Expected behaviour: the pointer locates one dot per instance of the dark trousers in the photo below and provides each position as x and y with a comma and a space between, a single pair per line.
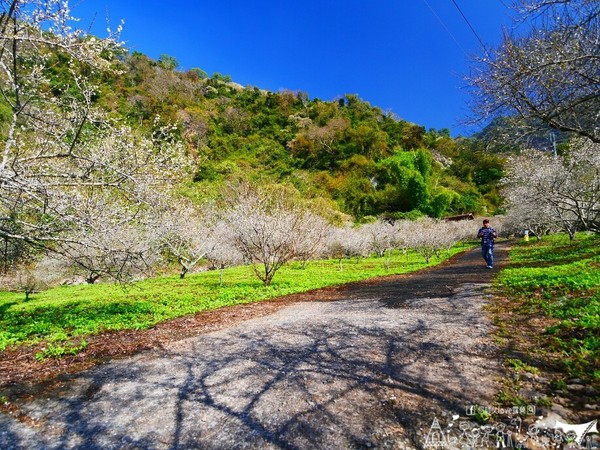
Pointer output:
487, 252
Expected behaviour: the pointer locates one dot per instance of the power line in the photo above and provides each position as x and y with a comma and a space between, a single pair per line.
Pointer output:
469, 24
444, 26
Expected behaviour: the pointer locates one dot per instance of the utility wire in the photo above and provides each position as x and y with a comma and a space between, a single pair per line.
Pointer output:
445, 27
469, 23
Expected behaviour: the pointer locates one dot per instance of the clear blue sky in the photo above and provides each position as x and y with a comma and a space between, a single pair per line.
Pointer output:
397, 55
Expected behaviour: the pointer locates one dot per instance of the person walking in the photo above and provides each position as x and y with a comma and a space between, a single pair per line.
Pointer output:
487, 234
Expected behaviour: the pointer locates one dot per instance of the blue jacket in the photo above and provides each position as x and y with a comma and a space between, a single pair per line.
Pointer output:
487, 235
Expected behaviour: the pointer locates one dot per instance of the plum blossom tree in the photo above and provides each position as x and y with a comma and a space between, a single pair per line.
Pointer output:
106, 231
426, 236
561, 191
106, 241
267, 228
223, 252
118, 251
315, 231
59, 150
381, 236
186, 233
452, 232
347, 242
547, 77
527, 215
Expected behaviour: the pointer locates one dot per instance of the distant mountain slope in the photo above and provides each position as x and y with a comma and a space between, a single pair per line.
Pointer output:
358, 158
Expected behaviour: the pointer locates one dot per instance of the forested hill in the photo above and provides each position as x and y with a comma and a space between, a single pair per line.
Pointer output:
358, 158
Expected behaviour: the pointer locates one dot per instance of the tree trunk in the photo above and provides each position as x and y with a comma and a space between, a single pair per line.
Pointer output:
92, 278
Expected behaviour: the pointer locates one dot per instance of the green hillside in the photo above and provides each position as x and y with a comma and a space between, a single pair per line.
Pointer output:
359, 159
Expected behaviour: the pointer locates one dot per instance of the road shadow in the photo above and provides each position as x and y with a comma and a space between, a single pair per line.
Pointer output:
371, 370
440, 281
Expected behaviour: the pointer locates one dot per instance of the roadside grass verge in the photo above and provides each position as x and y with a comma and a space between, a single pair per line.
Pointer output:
548, 310
64, 315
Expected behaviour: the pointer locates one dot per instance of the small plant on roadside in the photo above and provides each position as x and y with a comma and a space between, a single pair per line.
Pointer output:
58, 351
559, 384
544, 401
481, 415
508, 397
500, 340
521, 366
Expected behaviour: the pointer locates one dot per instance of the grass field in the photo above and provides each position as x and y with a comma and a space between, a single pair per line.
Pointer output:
559, 281
64, 315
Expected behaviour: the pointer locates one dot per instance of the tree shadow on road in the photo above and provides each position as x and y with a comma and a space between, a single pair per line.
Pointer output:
372, 370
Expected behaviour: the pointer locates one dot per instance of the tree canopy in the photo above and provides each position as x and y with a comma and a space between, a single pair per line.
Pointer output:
546, 76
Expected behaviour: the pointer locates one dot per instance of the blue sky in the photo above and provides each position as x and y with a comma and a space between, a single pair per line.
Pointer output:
407, 57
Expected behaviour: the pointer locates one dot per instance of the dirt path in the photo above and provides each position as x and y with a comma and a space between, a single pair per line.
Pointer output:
370, 370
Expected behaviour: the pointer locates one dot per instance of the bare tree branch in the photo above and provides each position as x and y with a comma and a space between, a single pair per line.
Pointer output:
548, 76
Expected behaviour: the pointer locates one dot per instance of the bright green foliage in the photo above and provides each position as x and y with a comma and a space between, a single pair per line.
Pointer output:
64, 314
560, 279
521, 366
423, 163
441, 203
479, 172
271, 136
58, 351
407, 175
376, 163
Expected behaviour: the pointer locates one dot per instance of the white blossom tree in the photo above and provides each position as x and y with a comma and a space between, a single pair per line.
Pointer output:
59, 150
223, 252
347, 242
186, 232
116, 250
315, 231
403, 229
107, 231
548, 77
452, 232
382, 236
561, 191
425, 236
268, 228
532, 217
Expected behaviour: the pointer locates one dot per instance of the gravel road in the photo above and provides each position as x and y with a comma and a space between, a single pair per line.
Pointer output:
371, 370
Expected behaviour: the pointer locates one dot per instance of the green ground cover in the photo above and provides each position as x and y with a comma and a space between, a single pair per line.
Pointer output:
558, 281
63, 315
